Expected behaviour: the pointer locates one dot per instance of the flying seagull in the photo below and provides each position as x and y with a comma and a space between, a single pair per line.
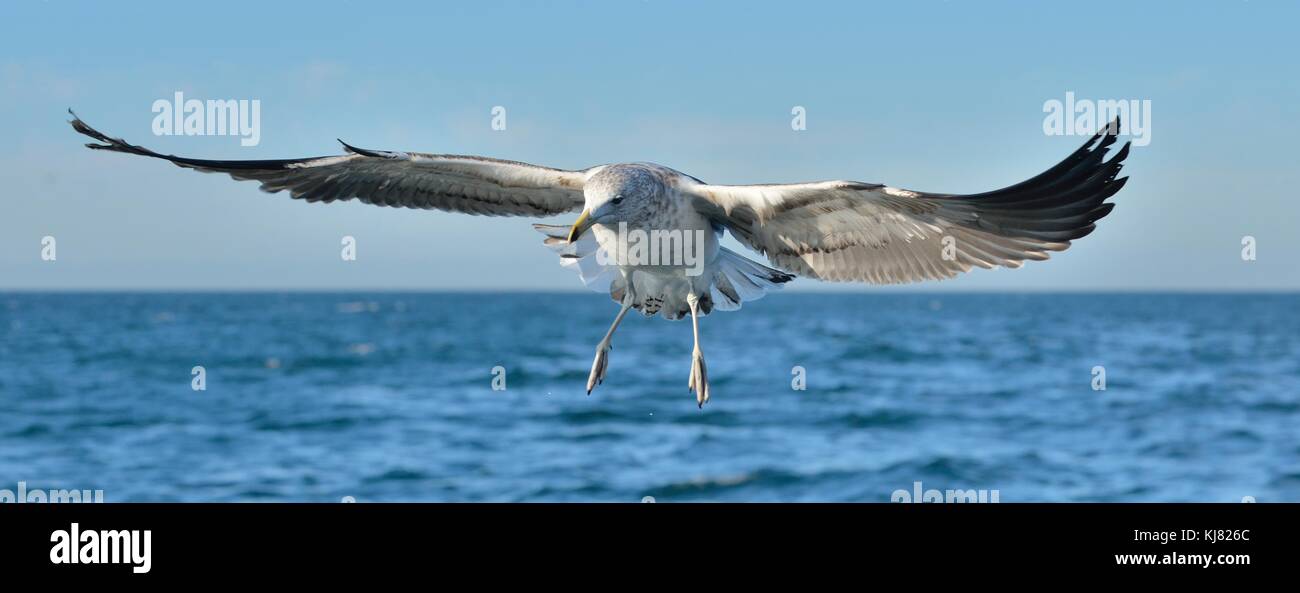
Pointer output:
839, 231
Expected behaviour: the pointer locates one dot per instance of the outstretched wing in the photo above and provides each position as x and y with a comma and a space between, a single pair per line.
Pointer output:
469, 184
852, 231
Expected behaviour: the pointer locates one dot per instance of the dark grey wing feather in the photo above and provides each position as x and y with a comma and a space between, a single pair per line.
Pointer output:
854, 231
458, 183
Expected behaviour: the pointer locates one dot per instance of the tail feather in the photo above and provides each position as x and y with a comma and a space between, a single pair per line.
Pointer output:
736, 279
578, 256
739, 279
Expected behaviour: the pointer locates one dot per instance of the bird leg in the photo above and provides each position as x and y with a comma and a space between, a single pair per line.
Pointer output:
601, 364
699, 382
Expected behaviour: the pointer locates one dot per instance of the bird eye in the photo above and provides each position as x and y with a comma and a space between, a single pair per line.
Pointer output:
617, 200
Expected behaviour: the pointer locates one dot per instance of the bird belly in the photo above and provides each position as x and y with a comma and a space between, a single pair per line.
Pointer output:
660, 268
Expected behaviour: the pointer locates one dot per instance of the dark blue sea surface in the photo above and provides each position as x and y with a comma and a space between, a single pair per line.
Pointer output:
389, 397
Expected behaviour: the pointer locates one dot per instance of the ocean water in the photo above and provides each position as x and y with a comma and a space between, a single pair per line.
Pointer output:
389, 397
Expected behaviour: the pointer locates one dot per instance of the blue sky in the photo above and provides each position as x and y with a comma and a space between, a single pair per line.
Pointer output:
927, 95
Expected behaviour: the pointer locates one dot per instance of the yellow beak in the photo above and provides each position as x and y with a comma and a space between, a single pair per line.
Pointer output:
580, 226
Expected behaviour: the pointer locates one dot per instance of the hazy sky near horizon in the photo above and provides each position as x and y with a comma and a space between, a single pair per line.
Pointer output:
927, 95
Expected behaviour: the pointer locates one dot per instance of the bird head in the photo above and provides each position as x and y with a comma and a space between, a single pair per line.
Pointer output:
617, 193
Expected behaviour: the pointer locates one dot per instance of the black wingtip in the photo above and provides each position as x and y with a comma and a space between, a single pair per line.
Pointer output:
82, 128
75, 118
1123, 153
364, 152
110, 143
1106, 134
1112, 128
